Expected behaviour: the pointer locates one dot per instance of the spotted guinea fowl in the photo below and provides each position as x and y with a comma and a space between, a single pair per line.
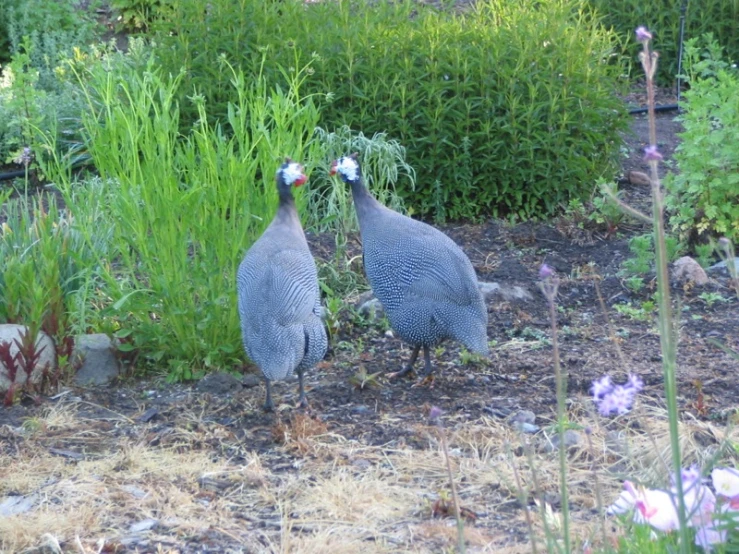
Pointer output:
278, 294
426, 284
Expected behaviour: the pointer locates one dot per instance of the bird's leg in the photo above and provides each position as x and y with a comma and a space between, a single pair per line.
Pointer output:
428, 370
427, 367
408, 368
302, 401
268, 404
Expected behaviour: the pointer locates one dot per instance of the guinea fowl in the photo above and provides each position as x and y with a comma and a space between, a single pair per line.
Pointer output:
279, 298
423, 280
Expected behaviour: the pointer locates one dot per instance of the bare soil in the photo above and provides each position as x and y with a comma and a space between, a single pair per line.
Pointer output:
147, 466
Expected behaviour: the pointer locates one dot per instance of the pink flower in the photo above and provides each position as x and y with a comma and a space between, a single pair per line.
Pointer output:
642, 34
652, 154
545, 272
654, 507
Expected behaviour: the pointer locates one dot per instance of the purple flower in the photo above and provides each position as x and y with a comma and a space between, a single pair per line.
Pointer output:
435, 413
651, 153
545, 272
25, 157
642, 34
615, 399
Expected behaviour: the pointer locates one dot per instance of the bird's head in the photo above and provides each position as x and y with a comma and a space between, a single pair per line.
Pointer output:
290, 174
348, 168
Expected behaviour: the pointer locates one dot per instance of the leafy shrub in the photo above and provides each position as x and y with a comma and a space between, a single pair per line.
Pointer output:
181, 209
383, 163
506, 109
53, 27
46, 264
719, 17
642, 254
137, 15
703, 196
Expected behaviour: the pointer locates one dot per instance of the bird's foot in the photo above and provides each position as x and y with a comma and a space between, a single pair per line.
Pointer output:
402, 373
268, 407
425, 381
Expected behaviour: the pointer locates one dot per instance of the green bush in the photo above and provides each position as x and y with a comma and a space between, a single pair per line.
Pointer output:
46, 264
509, 109
181, 209
662, 18
53, 26
703, 195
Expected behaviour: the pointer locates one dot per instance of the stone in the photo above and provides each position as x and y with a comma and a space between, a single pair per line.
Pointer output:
143, 525
522, 416
638, 178
10, 333
13, 505
687, 269
372, 309
218, 382
95, 354
722, 267
571, 438
505, 292
251, 380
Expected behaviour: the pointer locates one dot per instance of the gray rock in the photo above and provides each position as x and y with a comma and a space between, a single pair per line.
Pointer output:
17, 504
372, 309
522, 416
10, 333
98, 364
523, 421
505, 292
616, 443
218, 382
571, 438
251, 380
524, 427
143, 525
687, 269
721, 267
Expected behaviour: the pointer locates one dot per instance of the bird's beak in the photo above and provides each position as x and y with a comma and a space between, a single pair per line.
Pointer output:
332, 172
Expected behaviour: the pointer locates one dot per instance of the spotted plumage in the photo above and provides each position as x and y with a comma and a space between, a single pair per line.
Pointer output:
425, 282
278, 294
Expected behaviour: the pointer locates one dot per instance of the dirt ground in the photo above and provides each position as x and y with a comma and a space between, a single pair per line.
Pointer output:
146, 466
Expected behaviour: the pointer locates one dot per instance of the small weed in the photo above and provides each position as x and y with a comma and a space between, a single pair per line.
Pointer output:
637, 313
363, 380
634, 283
711, 298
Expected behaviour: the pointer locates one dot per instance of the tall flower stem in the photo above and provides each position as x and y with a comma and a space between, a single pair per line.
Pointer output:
668, 345
549, 285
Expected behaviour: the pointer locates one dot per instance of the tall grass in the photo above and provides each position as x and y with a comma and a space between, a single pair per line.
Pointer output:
181, 210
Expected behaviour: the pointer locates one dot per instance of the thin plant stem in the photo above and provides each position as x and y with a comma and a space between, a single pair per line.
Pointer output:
540, 496
561, 405
598, 495
667, 338
461, 548
524, 504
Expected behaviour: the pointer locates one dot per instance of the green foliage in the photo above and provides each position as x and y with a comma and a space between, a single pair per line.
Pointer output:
703, 197
642, 250
642, 312
46, 267
52, 26
663, 19
329, 204
138, 15
506, 109
181, 210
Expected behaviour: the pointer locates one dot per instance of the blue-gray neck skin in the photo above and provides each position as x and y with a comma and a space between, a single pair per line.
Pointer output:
364, 202
286, 209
